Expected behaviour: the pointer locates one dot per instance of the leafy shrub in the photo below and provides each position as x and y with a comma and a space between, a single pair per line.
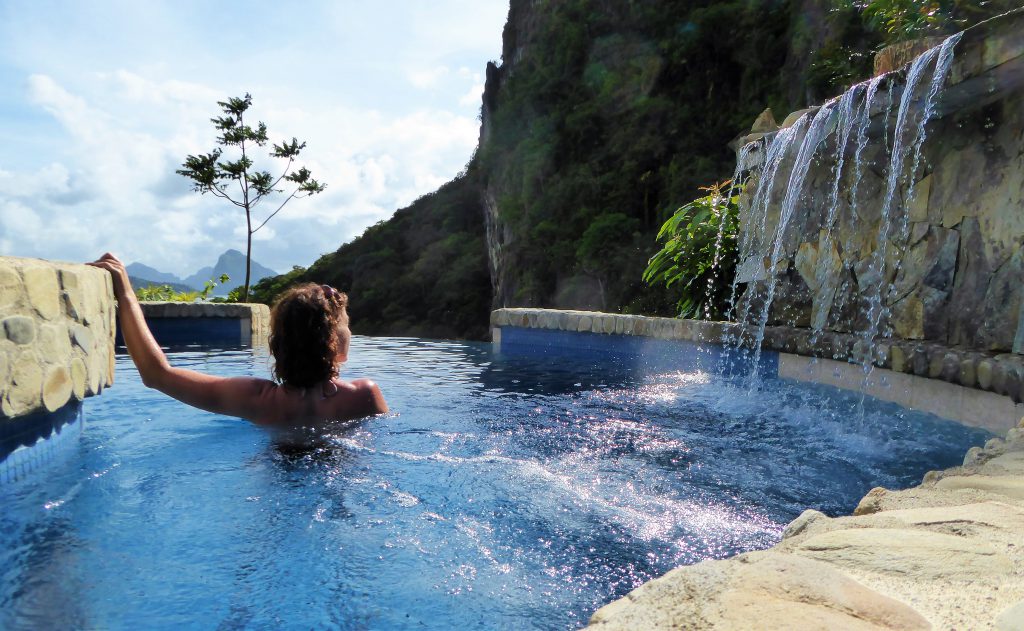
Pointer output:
699, 253
166, 293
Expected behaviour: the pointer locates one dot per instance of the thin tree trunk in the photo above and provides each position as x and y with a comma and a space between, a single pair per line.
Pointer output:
248, 254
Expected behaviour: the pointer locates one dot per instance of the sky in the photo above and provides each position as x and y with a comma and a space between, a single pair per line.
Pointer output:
102, 101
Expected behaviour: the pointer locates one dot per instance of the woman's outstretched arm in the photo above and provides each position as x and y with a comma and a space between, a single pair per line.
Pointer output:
237, 396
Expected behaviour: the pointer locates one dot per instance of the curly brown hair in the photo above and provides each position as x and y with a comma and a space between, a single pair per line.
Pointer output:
306, 334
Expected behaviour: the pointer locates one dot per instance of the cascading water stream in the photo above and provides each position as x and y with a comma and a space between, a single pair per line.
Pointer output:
777, 150
816, 132
942, 57
741, 160
848, 110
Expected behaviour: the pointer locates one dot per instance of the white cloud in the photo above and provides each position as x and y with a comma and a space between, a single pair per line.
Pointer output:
108, 112
428, 77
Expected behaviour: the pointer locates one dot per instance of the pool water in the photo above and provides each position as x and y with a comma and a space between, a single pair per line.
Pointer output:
502, 492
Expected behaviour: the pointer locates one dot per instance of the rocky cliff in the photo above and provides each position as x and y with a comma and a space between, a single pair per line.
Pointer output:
599, 121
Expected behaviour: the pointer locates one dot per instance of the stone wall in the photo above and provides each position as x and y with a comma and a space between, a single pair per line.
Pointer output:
199, 322
56, 334
954, 244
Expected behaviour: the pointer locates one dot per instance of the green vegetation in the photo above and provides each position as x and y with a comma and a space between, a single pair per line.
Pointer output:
901, 20
698, 257
167, 293
423, 272
210, 174
602, 119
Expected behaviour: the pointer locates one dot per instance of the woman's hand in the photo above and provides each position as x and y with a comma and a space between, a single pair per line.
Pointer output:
109, 262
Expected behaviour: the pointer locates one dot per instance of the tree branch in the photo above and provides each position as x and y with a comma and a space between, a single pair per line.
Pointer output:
288, 199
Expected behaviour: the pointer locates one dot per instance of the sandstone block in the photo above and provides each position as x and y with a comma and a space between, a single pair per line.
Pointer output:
923, 554
899, 359
1011, 618
54, 343
968, 375
78, 377
984, 370
43, 290
763, 590
25, 390
56, 388
10, 286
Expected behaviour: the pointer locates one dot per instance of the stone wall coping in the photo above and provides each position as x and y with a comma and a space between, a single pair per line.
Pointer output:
167, 309
1001, 373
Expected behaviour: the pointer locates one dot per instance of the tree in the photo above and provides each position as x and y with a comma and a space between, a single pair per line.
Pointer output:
210, 174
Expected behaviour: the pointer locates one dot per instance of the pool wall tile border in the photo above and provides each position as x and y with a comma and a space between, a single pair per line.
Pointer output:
923, 379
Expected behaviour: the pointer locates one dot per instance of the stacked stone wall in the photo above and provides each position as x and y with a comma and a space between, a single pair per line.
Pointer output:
954, 249
56, 334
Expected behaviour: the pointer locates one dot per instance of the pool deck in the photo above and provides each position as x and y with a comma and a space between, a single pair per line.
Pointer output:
946, 554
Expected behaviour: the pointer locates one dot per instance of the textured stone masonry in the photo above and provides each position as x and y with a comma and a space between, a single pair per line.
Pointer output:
56, 334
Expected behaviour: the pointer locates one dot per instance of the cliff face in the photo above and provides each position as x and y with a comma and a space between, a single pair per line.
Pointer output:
605, 117
600, 120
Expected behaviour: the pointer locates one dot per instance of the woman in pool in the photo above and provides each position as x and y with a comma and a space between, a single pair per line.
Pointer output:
309, 338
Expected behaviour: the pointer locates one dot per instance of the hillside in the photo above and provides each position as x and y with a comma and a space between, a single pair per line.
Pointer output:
601, 119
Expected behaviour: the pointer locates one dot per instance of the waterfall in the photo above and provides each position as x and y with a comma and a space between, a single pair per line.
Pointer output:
942, 57
852, 115
816, 132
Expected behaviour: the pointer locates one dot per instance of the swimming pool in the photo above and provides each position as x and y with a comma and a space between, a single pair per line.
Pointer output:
504, 491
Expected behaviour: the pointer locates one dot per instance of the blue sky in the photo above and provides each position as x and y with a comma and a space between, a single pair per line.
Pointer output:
102, 101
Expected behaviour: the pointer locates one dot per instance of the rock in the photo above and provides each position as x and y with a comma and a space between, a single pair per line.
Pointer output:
56, 388
43, 290
973, 456
922, 554
872, 502
985, 367
25, 390
803, 522
765, 123
968, 375
899, 359
54, 343
10, 286
795, 116
775, 590
78, 378
899, 54
82, 337
1011, 618
20, 329
1010, 486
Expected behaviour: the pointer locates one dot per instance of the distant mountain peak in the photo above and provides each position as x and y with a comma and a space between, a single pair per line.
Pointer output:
230, 262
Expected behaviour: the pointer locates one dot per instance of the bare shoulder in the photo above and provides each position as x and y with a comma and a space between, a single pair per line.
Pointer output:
369, 395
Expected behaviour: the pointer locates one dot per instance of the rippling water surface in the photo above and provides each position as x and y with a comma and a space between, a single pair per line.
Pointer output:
501, 492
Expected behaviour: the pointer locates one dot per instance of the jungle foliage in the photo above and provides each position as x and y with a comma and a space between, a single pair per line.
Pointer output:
421, 273
698, 258
603, 118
